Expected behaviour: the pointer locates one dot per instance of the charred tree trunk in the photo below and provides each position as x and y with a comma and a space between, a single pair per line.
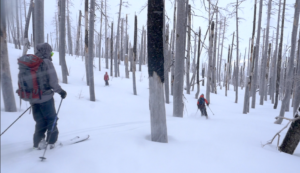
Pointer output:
156, 71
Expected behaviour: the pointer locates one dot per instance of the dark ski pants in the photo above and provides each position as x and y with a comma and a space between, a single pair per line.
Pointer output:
203, 111
106, 82
44, 115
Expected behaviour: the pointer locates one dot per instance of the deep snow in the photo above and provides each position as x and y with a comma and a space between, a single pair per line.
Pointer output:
119, 127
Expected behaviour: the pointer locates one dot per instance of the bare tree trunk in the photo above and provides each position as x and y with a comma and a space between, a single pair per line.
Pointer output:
256, 54
134, 56
6, 81
78, 34
62, 41
173, 49
290, 68
111, 48
297, 82
156, 71
100, 39
179, 61
117, 41
107, 43
187, 71
39, 22
210, 63
141, 50
70, 45
17, 21
219, 74
278, 71
26, 45
166, 63
226, 71
86, 40
91, 52
197, 67
264, 57
237, 53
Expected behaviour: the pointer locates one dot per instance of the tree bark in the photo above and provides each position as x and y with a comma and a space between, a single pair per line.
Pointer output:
39, 22
278, 71
86, 40
62, 41
256, 54
156, 70
100, 39
26, 45
187, 71
179, 61
111, 48
134, 56
6, 81
78, 34
265, 54
117, 42
91, 51
166, 63
237, 53
197, 67
18, 25
290, 70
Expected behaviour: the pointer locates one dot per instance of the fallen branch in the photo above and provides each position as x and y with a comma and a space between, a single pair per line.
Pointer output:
278, 133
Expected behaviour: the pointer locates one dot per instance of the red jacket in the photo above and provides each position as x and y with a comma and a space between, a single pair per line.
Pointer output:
106, 76
204, 100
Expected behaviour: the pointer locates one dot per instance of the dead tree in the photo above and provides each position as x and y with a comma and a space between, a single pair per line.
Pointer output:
70, 45
179, 60
197, 67
134, 56
26, 45
78, 34
278, 71
17, 21
39, 21
91, 52
86, 40
187, 70
256, 54
100, 39
117, 41
166, 63
6, 80
62, 41
156, 70
111, 48
290, 68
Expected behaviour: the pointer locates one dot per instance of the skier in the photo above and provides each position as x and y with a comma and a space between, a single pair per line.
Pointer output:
43, 107
106, 78
201, 105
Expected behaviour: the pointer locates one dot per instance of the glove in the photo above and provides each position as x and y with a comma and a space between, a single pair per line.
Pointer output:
208, 104
63, 94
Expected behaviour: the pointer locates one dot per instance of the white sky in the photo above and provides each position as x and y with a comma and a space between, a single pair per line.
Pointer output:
245, 27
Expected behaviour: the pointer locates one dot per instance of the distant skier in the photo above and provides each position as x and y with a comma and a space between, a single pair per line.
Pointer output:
201, 105
37, 83
106, 78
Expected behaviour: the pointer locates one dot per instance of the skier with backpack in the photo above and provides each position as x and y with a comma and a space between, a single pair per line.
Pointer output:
201, 105
37, 81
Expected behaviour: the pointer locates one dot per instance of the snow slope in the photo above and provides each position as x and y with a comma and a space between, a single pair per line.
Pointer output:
119, 127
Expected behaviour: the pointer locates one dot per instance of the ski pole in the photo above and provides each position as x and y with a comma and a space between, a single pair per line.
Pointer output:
15, 120
210, 110
196, 112
43, 157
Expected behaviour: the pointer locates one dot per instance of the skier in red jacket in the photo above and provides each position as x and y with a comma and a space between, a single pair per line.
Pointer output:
201, 105
106, 78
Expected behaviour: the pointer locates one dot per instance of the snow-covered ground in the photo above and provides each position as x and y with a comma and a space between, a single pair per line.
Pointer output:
119, 127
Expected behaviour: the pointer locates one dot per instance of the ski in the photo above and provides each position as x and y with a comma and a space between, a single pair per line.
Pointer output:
75, 140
